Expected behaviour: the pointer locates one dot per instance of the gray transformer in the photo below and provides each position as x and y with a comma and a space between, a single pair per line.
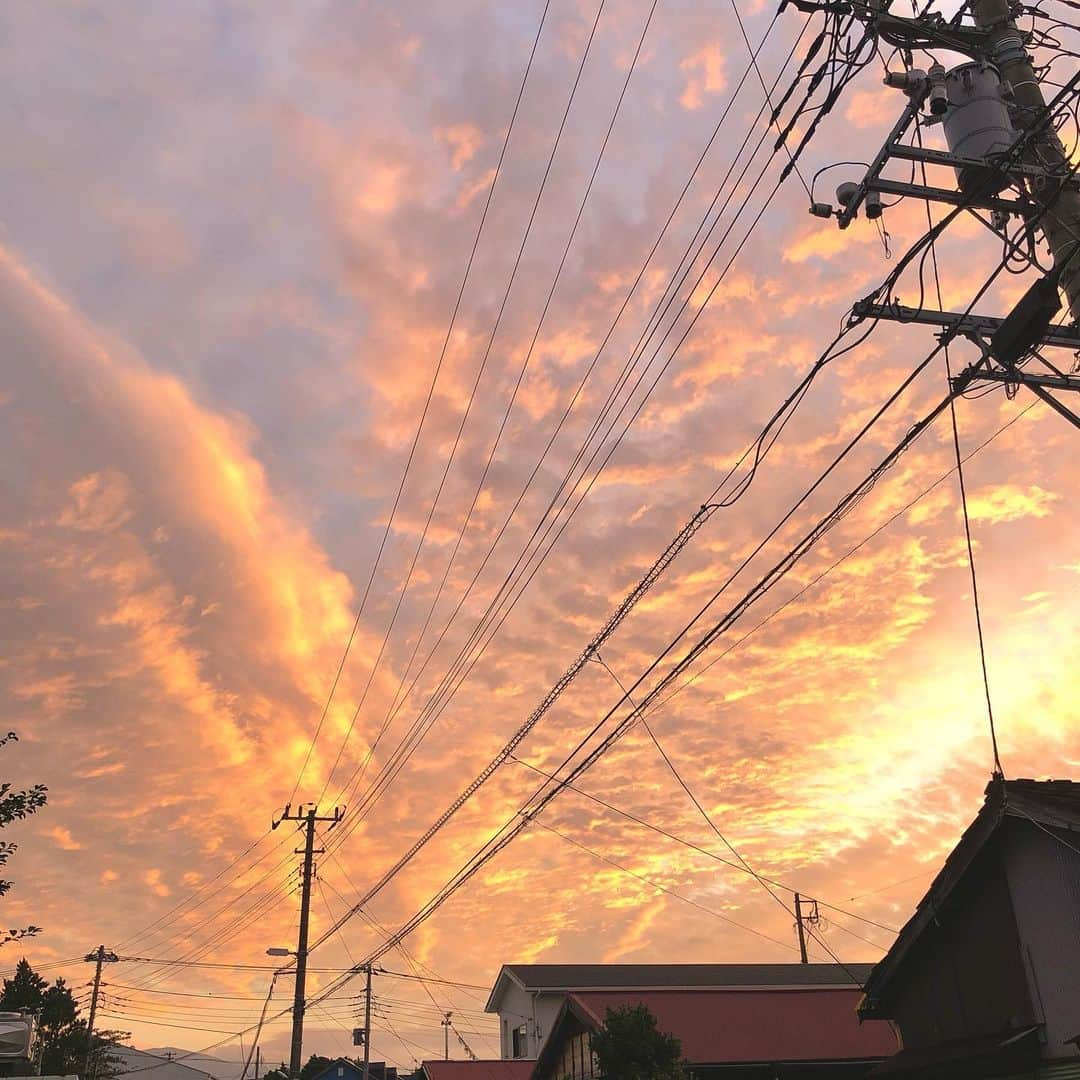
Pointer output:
977, 124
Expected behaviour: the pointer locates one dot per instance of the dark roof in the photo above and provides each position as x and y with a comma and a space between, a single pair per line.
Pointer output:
743, 1026
1053, 804
378, 1068
567, 977
478, 1070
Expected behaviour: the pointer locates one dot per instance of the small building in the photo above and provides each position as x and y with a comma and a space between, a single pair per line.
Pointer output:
984, 979
731, 1033
529, 997
476, 1070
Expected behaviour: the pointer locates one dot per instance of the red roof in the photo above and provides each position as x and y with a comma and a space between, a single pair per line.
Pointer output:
728, 1026
479, 1070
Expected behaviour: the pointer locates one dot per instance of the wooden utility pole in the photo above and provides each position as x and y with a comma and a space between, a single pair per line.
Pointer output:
367, 1024
98, 957
308, 819
802, 920
799, 926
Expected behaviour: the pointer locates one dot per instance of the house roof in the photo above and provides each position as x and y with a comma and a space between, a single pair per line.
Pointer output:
1053, 804
741, 1026
553, 978
478, 1070
330, 1069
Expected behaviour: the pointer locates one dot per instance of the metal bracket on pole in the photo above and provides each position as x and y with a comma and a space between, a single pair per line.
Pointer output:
960, 325
1021, 207
1032, 379
1037, 384
846, 215
943, 157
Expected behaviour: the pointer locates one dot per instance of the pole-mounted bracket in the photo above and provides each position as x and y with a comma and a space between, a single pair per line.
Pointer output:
957, 324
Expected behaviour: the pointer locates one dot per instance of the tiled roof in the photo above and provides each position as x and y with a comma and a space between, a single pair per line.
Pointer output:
478, 1070
610, 976
718, 1027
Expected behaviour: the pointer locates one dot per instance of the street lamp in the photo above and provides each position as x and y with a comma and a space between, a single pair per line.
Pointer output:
280, 952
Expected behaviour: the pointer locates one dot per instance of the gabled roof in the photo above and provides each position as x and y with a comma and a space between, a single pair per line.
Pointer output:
1052, 804
377, 1068
743, 1026
478, 1070
553, 978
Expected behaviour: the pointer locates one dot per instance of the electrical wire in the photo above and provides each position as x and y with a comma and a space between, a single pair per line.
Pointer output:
997, 769
440, 696
430, 393
452, 455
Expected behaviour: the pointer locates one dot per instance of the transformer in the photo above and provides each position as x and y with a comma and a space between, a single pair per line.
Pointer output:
977, 124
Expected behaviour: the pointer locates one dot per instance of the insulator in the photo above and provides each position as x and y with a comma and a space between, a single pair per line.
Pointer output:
911, 82
938, 97
846, 192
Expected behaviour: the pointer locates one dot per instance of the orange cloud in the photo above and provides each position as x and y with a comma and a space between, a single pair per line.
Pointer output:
1011, 502
63, 839
705, 75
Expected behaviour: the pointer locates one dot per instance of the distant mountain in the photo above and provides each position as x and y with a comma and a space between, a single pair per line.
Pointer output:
223, 1069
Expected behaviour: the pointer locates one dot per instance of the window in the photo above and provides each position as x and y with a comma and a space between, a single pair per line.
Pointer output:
520, 1042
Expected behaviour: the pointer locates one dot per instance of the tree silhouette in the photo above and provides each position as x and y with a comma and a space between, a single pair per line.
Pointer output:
14, 806
630, 1046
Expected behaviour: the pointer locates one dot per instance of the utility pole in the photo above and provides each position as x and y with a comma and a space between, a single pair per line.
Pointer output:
367, 1024
810, 919
1009, 163
1061, 220
258, 1055
308, 819
446, 1036
98, 957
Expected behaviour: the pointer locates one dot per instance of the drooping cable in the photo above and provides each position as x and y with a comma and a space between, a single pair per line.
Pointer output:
997, 770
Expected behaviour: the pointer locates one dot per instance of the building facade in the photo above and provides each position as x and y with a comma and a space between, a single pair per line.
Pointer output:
984, 979
529, 998
735, 1033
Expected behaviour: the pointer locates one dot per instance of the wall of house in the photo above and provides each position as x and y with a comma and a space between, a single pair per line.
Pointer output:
1044, 882
965, 976
536, 1011
575, 1060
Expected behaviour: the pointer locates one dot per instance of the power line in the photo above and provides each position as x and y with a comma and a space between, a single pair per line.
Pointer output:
998, 771
468, 406
528, 354
479, 630
518, 822
663, 888
430, 393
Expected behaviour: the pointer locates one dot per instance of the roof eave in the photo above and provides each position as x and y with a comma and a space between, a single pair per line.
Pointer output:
971, 843
506, 972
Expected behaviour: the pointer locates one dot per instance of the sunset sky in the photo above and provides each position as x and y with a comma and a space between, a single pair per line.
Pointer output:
233, 237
